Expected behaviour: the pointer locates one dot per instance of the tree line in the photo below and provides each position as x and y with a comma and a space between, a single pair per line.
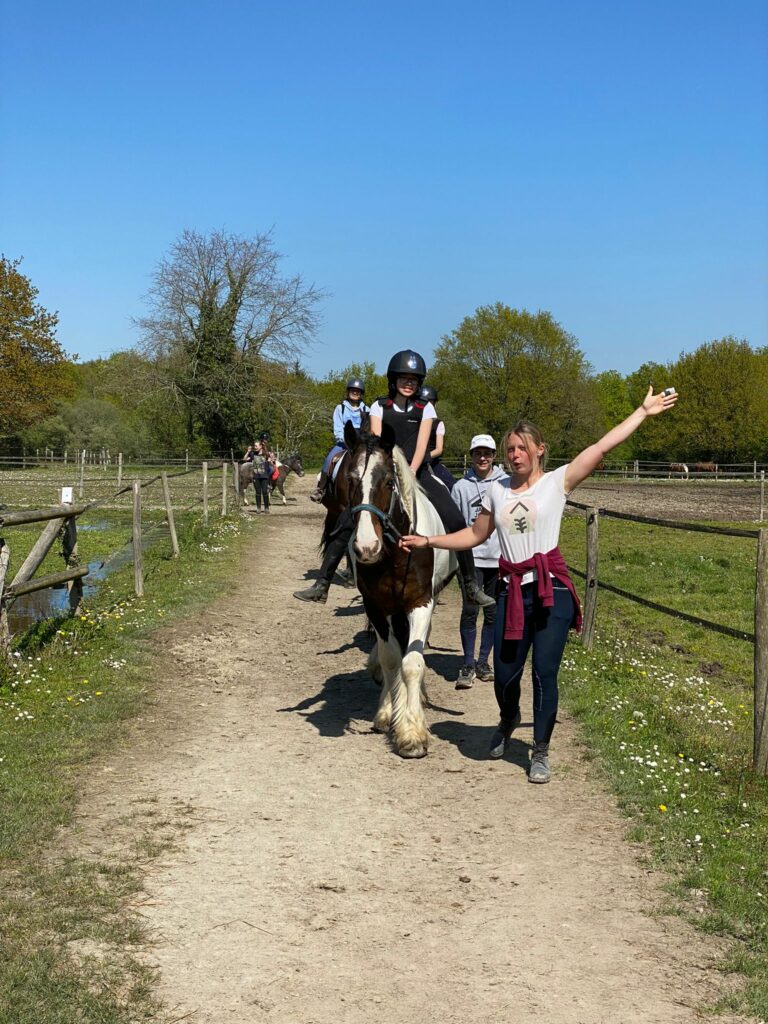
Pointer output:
220, 355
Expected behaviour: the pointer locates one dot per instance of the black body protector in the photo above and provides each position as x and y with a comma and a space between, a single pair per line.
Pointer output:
405, 425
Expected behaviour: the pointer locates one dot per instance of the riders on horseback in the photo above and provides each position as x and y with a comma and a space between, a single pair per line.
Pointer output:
410, 421
437, 440
351, 409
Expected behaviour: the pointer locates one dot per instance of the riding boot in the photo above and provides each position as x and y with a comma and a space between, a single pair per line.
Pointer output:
472, 591
319, 492
317, 592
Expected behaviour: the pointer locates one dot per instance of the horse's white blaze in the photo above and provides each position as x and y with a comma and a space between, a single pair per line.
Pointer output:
367, 543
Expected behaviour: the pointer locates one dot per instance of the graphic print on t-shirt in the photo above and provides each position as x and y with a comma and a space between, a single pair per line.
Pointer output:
519, 516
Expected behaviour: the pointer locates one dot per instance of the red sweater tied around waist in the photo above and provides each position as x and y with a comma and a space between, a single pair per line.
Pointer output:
544, 564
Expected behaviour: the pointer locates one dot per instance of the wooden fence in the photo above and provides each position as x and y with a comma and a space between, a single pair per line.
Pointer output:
61, 521
759, 638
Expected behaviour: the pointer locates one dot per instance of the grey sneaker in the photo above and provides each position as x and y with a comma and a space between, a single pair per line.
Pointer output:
466, 678
483, 671
539, 770
502, 736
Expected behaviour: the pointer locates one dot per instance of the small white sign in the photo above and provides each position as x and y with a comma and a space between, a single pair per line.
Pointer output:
67, 495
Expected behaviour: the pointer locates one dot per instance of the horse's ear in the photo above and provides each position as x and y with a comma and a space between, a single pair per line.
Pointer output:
350, 435
388, 439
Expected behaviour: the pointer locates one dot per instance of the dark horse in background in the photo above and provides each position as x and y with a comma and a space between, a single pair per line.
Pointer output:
383, 502
291, 463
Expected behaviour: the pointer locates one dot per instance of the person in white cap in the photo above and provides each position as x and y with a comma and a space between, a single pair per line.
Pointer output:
468, 493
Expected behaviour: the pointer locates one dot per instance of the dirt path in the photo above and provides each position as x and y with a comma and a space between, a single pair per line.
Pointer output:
321, 879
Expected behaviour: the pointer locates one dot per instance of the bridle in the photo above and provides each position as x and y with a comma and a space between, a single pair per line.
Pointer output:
390, 531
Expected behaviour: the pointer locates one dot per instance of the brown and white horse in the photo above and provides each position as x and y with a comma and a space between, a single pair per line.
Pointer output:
398, 587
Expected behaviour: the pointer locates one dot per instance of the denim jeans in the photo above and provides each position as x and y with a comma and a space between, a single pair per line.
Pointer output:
546, 630
487, 578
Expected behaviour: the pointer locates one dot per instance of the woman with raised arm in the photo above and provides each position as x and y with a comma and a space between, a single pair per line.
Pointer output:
537, 604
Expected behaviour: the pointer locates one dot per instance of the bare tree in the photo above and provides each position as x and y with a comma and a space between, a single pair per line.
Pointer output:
220, 308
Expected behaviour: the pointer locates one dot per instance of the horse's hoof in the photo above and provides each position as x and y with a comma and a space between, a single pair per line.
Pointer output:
381, 725
419, 750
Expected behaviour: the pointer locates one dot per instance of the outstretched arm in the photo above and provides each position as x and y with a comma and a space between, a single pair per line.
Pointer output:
461, 540
586, 462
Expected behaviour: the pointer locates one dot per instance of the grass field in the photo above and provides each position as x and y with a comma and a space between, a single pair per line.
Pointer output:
667, 713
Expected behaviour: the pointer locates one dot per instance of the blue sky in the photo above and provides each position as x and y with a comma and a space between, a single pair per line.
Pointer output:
607, 162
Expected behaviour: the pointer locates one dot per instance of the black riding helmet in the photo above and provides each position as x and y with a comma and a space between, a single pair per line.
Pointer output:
355, 382
402, 364
428, 394
264, 436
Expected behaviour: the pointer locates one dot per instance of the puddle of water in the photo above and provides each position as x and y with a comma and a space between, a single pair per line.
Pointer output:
53, 602
50, 603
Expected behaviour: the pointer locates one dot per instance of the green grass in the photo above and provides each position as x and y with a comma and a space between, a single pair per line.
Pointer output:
667, 709
68, 925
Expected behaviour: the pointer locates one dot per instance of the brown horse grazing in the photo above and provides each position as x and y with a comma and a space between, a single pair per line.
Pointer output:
678, 469
705, 467
398, 587
289, 463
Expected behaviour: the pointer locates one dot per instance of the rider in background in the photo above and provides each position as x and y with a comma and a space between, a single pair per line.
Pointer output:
437, 440
410, 420
468, 495
351, 409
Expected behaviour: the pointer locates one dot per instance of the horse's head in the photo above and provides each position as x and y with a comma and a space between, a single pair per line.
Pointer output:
293, 461
374, 482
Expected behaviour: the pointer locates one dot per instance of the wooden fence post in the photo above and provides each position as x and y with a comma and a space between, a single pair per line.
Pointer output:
40, 549
223, 488
762, 494
636, 470
590, 591
760, 750
236, 482
82, 473
169, 514
205, 493
138, 558
186, 460
5, 557
119, 470
69, 551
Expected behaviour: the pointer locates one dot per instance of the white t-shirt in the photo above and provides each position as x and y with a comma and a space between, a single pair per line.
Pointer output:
428, 414
527, 522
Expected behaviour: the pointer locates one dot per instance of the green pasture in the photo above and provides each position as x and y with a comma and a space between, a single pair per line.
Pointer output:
666, 710
69, 930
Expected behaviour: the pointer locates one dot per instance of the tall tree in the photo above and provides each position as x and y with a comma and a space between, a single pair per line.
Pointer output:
219, 310
504, 364
32, 362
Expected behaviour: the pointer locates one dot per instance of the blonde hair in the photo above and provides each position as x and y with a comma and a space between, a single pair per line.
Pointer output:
532, 439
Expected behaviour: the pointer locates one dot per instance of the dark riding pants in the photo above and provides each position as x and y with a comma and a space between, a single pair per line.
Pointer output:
261, 487
546, 630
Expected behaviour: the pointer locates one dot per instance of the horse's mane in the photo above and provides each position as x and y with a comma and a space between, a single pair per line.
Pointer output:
406, 483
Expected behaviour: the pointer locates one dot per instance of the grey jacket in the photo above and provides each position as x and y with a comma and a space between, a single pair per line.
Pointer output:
468, 494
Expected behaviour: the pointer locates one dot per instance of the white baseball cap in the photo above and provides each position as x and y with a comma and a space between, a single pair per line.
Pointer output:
482, 441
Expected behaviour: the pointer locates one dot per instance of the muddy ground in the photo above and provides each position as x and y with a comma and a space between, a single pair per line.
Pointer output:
317, 878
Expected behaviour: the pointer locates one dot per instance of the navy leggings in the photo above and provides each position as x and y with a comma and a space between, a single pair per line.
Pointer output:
546, 630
